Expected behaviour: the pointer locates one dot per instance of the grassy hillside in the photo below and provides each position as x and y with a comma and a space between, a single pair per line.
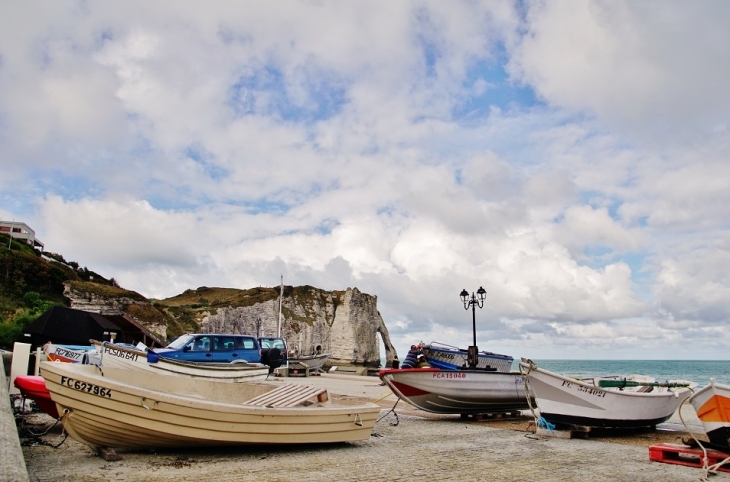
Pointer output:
31, 282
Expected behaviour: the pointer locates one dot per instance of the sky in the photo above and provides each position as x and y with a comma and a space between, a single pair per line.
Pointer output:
569, 157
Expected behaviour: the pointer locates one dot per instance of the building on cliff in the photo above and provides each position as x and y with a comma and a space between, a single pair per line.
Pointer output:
22, 232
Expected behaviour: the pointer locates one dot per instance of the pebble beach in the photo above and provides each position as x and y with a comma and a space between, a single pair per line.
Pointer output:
408, 445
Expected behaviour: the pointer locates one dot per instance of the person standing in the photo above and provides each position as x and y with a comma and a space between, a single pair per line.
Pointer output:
411, 359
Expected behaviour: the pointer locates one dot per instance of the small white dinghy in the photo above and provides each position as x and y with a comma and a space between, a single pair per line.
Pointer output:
610, 402
115, 356
121, 409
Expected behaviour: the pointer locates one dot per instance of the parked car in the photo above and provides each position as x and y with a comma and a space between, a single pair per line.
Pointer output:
212, 347
273, 351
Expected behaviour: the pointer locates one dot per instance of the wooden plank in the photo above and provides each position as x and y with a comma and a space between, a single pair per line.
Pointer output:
554, 433
289, 395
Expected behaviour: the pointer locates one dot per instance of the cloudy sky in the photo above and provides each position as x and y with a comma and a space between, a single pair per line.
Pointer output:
569, 157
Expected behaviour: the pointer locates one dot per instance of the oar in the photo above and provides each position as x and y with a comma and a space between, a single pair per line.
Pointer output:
630, 383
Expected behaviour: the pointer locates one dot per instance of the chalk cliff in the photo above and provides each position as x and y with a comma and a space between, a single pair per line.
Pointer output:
345, 324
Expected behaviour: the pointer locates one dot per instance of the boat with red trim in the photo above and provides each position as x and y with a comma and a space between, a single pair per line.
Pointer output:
458, 391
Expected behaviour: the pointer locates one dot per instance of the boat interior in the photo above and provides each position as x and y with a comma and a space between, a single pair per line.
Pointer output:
251, 393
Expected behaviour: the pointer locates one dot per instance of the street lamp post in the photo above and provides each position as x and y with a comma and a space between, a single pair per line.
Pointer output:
474, 301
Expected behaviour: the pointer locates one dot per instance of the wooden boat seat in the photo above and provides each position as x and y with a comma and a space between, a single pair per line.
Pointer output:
290, 395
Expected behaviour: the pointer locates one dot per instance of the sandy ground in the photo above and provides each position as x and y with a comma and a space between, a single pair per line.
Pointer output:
411, 445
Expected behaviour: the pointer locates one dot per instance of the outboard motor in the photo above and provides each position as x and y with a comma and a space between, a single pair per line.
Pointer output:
272, 357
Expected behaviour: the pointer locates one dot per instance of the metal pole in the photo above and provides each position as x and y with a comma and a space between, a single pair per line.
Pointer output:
473, 351
281, 296
10, 234
474, 318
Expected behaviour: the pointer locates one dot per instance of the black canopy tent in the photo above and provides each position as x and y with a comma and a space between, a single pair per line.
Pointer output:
66, 326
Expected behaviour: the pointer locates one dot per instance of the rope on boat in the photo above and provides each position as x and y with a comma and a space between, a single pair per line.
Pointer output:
540, 422
397, 420
36, 435
383, 397
23, 425
708, 469
36, 438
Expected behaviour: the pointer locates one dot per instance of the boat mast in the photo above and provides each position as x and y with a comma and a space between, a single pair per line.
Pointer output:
281, 296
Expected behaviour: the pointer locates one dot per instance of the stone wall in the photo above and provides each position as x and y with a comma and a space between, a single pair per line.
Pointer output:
12, 462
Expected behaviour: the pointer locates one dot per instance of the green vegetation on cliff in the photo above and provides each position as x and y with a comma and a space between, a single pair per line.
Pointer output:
208, 298
106, 291
32, 282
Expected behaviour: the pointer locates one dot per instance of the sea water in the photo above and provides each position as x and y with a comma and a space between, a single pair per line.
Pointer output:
699, 371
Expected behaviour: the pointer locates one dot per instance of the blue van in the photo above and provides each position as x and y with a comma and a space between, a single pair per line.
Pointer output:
212, 347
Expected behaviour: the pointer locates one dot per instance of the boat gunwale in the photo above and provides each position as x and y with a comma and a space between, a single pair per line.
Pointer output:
207, 366
532, 367
183, 399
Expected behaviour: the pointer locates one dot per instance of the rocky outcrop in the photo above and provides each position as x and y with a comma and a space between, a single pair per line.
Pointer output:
345, 324
112, 304
95, 303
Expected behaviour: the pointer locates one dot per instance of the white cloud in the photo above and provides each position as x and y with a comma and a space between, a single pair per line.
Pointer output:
173, 145
650, 66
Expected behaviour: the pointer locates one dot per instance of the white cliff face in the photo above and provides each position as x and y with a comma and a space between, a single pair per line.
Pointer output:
344, 324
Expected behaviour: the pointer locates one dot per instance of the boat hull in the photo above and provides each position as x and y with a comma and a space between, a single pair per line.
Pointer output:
311, 361
568, 401
121, 409
458, 391
34, 388
66, 355
448, 358
109, 355
712, 405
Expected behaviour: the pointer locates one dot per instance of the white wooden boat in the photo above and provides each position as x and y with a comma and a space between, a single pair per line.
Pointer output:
111, 355
123, 410
712, 405
447, 357
458, 391
610, 402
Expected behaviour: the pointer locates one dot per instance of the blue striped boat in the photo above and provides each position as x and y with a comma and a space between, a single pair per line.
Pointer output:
447, 357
